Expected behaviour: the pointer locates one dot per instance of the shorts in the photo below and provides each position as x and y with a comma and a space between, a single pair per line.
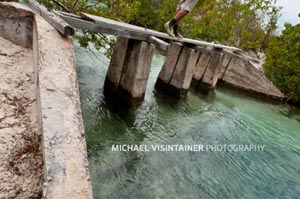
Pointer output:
187, 5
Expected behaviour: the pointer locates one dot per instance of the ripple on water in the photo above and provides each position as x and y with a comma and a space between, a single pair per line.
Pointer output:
227, 119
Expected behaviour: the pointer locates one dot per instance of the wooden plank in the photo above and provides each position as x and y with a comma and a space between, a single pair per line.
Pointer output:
164, 46
59, 24
77, 22
132, 28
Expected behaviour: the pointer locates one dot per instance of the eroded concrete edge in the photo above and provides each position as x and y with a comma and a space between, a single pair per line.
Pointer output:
65, 156
16, 23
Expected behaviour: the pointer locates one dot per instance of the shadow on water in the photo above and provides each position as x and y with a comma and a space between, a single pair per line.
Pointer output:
123, 107
208, 97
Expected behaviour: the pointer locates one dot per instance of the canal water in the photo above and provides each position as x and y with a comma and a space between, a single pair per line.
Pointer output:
227, 119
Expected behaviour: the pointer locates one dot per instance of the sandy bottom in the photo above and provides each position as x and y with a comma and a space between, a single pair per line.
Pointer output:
20, 156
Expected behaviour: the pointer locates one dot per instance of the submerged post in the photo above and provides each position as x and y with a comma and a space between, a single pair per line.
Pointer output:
129, 69
177, 72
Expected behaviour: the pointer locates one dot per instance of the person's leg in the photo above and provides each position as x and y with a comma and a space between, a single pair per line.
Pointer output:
172, 25
183, 8
179, 15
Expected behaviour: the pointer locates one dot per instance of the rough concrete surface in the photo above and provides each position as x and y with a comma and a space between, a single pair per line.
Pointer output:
20, 156
136, 68
16, 23
168, 68
64, 148
184, 70
243, 75
211, 74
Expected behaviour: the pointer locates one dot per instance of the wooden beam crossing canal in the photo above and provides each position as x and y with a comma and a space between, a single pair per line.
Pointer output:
104, 25
188, 62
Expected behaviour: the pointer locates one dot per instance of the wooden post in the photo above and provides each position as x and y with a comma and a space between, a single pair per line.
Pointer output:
177, 72
129, 69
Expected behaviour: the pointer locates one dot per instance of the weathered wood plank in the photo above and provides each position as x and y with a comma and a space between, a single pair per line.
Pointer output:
59, 24
164, 46
108, 26
121, 25
77, 22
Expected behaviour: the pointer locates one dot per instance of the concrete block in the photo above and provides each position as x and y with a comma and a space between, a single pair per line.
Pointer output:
129, 69
168, 68
211, 74
16, 23
224, 65
177, 72
241, 74
184, 70
64, 149
201, 66
136, 69
115, 68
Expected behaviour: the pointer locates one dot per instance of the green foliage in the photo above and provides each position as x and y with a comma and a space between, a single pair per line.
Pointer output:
247, 24
283, 61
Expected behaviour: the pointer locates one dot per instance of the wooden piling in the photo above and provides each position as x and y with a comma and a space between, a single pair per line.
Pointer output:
177, 72
129, 69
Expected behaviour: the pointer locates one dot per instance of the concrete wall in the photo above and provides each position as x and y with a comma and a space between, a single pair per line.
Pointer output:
66, 172
234, 71
16, 24
241, 74
64, 148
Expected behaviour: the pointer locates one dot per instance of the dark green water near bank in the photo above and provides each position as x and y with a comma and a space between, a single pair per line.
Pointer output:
229, 118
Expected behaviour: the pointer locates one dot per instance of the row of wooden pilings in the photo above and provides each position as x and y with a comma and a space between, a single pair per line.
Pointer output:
130, 64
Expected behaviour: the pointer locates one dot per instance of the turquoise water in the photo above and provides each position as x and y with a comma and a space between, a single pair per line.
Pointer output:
229, 118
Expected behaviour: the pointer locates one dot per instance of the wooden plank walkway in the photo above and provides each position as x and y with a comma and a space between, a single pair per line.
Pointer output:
104, 25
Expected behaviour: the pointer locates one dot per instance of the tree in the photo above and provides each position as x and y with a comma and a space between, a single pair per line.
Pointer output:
283, 61
247, 24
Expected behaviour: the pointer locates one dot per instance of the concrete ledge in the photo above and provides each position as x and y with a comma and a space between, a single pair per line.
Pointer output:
65, 157
60, 122
16, 23
242, 75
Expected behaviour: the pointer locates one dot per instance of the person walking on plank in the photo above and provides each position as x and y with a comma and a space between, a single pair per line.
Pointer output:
183, 8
